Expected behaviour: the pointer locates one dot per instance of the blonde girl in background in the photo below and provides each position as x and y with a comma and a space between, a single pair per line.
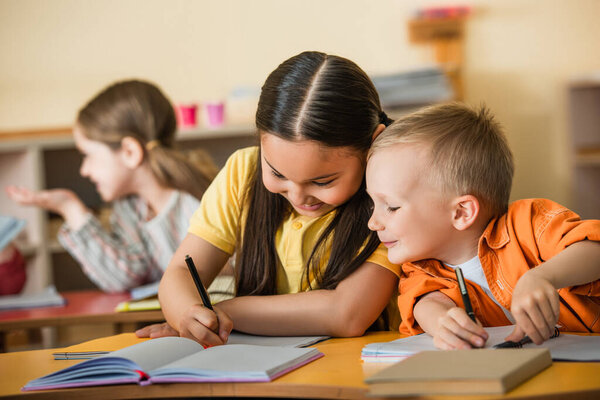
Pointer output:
294, 210
126, 135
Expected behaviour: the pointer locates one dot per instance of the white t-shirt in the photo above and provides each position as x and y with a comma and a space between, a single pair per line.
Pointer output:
473, 271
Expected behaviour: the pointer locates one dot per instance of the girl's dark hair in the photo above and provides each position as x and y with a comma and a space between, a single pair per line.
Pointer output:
140, 110
329, 100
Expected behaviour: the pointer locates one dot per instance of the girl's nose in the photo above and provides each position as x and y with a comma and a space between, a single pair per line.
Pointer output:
297, 195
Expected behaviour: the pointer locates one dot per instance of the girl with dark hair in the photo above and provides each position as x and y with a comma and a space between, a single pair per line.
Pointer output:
294, 211
126, 135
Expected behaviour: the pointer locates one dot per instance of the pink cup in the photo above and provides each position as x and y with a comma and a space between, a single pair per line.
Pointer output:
186, 115
215, 113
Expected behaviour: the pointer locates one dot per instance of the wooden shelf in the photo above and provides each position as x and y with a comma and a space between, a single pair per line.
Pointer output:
588, 158
445, 36
60, 138
584, 108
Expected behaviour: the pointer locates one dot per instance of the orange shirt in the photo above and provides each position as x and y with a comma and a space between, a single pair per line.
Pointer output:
530, 233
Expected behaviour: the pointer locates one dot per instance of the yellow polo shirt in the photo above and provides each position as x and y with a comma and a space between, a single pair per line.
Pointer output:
217, 221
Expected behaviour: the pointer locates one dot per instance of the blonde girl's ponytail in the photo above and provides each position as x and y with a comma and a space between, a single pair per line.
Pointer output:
140, 110
190, 172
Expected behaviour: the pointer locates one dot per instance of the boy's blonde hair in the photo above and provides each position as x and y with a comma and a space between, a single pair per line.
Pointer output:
469, 153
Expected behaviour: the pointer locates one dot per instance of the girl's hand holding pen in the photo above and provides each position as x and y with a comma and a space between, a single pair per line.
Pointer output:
202, 322
207, 327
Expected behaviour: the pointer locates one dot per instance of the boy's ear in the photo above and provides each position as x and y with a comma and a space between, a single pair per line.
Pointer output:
465, 211
377, 131
131, 152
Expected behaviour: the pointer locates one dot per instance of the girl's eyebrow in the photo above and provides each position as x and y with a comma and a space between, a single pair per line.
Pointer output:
311, 179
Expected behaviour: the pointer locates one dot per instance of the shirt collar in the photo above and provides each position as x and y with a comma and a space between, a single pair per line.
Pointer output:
496, 233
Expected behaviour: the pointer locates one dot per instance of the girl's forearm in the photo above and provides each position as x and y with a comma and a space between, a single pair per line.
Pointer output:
578, 264
345, 311
177, 291
75, 213
177, 294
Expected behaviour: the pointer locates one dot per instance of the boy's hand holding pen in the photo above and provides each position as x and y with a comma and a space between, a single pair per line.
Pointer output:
475, 340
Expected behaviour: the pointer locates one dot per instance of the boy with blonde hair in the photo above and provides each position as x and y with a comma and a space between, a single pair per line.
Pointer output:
440, 181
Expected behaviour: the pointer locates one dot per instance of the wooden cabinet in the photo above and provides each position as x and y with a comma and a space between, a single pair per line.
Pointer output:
48, 159
584, 104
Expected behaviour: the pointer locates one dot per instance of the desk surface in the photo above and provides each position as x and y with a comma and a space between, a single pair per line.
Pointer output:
83, 307
339, 374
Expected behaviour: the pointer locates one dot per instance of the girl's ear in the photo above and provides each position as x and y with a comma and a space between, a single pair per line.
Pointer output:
465, 211
377, 131
132, 152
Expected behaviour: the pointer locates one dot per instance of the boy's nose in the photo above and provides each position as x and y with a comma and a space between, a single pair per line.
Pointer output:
373, 224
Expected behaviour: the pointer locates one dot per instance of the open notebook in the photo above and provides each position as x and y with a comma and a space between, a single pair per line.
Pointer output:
565, 347
177, 359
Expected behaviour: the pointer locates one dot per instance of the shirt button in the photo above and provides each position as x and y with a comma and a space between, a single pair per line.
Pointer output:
297, 225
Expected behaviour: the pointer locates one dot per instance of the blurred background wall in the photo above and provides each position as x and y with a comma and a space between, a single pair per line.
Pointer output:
519, 56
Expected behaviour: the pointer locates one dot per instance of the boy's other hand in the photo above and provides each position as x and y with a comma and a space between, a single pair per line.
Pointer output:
535, 306
456, 330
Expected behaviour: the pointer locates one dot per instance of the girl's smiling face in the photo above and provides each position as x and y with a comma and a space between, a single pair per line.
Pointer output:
315, 179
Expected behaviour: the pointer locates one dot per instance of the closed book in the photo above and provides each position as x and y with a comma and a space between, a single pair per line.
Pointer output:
476, 371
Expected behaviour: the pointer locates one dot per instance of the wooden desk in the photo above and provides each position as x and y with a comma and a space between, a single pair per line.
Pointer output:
338, 375
82, 308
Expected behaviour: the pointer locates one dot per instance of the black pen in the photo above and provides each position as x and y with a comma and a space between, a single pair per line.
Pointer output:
198, 282
465, 295
525, 340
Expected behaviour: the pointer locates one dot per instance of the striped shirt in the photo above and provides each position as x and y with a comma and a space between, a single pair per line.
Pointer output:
137, 250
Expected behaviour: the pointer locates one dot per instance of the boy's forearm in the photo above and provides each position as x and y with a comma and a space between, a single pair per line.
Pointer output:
578, 264
430, 308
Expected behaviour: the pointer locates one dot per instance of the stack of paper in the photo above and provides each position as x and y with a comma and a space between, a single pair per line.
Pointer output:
48, 297
564, 347
234, 338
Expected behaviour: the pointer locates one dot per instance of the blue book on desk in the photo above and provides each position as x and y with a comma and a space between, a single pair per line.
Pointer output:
9, 229
178, 359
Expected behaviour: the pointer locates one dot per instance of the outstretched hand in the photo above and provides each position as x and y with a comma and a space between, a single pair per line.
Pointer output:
56, 200
61, 201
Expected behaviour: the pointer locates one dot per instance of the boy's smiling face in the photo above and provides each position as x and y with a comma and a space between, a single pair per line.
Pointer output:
411, 216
